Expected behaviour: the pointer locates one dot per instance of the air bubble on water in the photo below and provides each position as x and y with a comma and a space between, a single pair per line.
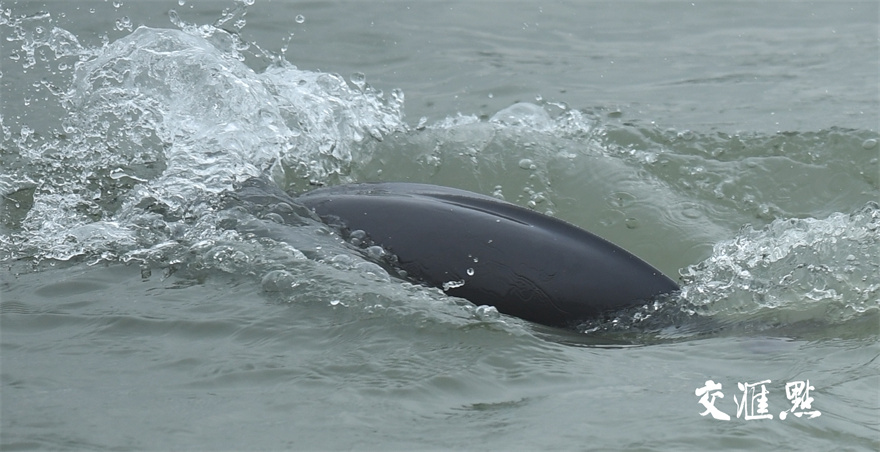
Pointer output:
373, 271
300, 18
869, 143
486, 313
117, 4
527, 164
274, 217
342, 261
279, 281
357, 237
470, 272
631, 223
686, 135
498, 193
375, 252
181, 2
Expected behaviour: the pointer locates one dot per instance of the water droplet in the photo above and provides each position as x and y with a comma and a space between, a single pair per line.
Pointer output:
123, 23
359, 79
452, 285
26, 132
869, 143
300, 18
398, 95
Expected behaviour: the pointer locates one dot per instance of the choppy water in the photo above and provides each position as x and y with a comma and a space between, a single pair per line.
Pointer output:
733, 146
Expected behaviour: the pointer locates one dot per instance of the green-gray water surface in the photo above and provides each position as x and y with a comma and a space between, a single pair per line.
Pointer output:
733, 145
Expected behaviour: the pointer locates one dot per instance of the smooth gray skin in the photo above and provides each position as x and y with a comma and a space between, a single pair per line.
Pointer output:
524, 263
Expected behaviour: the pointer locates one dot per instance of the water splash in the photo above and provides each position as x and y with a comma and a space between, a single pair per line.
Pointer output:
794, 277
160, 121
792, 271
148, 135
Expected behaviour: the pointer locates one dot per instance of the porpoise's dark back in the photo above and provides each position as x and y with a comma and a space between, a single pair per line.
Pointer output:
491, 252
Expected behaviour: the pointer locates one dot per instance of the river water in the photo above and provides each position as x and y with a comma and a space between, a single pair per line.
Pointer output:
143, 306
